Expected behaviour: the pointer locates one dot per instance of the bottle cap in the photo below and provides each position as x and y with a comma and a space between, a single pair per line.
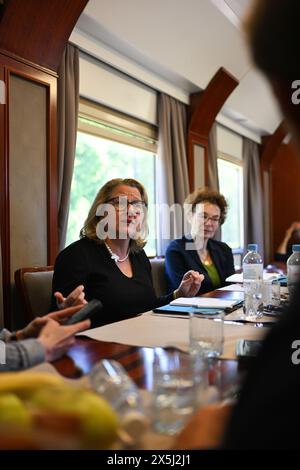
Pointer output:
252, 247
296, 247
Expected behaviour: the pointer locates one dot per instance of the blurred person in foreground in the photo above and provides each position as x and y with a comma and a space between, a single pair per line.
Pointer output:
267, 411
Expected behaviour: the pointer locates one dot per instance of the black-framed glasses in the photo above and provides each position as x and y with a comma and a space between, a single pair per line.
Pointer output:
206, 218
122, 204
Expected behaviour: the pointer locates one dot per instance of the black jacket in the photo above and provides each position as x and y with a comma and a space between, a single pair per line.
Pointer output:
179, 260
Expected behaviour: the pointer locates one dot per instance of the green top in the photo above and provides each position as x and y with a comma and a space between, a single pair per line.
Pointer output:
214, 275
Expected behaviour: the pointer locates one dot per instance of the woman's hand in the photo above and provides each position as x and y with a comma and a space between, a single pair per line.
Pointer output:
76, 297
57, 339
190, 284
33, 329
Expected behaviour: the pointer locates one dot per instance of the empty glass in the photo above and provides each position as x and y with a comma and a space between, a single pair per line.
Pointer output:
207, 334
179, 379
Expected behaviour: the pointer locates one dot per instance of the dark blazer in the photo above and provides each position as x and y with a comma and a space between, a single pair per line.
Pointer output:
179, 261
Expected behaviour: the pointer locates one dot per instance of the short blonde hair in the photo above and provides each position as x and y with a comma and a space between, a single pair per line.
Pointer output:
102, 197
201, 195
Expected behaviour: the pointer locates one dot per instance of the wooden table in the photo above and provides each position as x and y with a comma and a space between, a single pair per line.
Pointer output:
137, 361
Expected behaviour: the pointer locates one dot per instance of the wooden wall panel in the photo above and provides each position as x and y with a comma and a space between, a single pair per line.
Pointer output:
285, 191
38, 30
12, 68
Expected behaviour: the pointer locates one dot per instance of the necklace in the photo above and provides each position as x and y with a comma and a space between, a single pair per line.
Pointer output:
114, 256
205, 259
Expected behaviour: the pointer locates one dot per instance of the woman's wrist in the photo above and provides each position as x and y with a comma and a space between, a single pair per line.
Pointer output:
175, 294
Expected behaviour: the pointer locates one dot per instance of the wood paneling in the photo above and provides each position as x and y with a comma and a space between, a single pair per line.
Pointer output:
10, 66
33, 35
203, 110
285, 190
38, 30
270, 146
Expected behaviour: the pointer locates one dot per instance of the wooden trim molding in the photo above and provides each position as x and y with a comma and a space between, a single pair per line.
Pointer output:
203, 109
271, 144
37, 31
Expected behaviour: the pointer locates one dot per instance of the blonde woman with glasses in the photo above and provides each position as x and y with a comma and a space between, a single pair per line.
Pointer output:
200, 252
109, 260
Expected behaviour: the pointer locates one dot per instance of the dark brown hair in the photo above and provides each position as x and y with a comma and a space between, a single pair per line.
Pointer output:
208, 195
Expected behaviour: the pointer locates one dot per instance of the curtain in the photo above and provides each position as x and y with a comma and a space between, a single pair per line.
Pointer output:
213, 178
68, 101
253, 200
172, 185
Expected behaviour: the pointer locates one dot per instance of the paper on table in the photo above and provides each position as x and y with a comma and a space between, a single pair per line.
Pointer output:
233, 287
239, 277
156, 331
204, 302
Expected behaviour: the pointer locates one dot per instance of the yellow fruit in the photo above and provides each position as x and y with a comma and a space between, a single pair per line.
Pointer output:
24, 383
98, 421
13, 411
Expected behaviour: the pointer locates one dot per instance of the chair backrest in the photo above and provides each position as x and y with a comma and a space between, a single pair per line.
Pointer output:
159, 276
34, 286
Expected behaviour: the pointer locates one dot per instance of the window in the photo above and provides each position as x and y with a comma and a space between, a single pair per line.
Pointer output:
110, 145
231, 186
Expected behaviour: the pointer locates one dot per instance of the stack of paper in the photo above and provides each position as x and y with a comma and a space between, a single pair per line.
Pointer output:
266, 276
204, 302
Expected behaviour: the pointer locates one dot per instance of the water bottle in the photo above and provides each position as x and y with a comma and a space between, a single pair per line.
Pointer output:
253, 279
293, 269
110, 380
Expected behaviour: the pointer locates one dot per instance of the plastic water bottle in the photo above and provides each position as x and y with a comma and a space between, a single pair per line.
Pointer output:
110, 380
253, 279
293, 269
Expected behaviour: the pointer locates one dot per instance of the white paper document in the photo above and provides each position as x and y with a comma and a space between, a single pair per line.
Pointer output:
233, 288
239, 277
150, 330
204, 302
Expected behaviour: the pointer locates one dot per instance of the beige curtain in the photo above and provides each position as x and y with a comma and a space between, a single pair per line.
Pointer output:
253, 200
68, 101
213, 178
172, 186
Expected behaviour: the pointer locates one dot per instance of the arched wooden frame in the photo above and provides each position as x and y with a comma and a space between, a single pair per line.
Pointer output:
204, 108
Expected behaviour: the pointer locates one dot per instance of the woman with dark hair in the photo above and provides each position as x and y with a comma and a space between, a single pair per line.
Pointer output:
206, 213
109, 260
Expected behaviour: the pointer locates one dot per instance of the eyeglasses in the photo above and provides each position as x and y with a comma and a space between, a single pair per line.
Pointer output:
206, 218
122, 203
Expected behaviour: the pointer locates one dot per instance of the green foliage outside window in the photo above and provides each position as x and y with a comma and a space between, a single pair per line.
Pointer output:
98, 160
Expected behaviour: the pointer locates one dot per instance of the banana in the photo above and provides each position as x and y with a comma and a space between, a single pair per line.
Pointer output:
22, 383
